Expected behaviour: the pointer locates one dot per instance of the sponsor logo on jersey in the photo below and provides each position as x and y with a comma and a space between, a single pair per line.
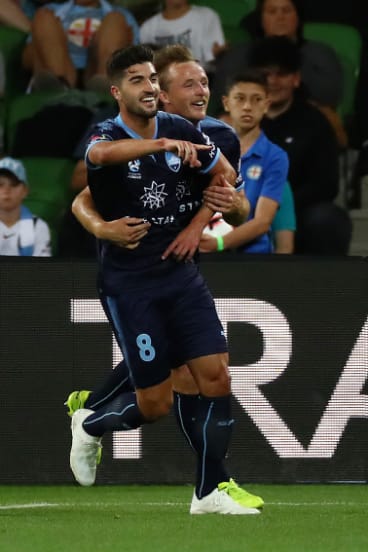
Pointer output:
154, 197
213, 150
181, 190
173, 161
207, 138
254, 172
162, 221
100, 137
134, 166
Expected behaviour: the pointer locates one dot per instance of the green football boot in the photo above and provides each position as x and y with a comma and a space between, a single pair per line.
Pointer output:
241, 496
76, 400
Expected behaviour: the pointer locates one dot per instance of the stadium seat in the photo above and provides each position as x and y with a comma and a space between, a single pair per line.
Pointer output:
11, 45
231, 14
64, 114
12, 42
347, 43
49, 189
22, 107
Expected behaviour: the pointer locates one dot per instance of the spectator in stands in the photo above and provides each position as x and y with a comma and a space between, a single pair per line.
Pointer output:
321, 69
264, 167
284, 224
19, 13
71, 41
13, 15
355, 14
307, 137
197, 27
282, 228
21, 232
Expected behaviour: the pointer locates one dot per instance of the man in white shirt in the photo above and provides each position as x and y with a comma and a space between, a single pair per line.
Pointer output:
21, 232
197, 27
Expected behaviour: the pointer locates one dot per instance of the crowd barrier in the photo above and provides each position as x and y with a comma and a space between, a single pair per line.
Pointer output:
298, 337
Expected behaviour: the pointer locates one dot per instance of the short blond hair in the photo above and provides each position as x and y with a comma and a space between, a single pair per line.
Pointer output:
167, 56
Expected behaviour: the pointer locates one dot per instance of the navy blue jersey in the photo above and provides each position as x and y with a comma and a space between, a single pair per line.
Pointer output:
150, 187
226, 139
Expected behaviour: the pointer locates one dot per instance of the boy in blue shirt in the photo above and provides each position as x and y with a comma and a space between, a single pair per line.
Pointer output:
264, 167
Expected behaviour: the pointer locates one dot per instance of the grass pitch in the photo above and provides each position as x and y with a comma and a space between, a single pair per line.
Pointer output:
296, 518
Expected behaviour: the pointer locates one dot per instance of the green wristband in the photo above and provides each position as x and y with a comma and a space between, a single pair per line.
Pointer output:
220, 243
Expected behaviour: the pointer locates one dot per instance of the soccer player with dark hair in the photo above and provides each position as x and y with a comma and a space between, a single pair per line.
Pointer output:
159, 306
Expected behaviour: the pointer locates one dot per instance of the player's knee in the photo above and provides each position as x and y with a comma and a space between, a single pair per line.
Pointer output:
222, 380
217, 380
183, 381
155, 407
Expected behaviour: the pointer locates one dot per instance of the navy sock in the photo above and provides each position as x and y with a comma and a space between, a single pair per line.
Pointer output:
118, 381
185, 408
207, 425
121, 414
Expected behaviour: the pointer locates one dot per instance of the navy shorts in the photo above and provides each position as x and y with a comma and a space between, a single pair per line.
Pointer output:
172, 320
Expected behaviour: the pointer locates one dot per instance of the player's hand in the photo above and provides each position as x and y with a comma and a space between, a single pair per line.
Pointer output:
207, 244
219, 195
187, 151
125, 232
185, 244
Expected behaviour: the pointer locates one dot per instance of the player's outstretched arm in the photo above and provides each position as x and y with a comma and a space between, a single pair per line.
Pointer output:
106, 152
124, 232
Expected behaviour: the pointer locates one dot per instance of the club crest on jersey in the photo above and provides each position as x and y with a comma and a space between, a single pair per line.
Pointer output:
254, 172
173, 161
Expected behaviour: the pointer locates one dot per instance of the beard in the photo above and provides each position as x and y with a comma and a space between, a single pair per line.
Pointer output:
145, 114
141, 112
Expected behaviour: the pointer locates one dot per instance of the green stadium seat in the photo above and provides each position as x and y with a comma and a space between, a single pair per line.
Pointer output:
49, 189
26, 106
347, 43
12, 42
23, 107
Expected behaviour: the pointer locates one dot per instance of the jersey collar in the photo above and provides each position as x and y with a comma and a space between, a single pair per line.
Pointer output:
119, 122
